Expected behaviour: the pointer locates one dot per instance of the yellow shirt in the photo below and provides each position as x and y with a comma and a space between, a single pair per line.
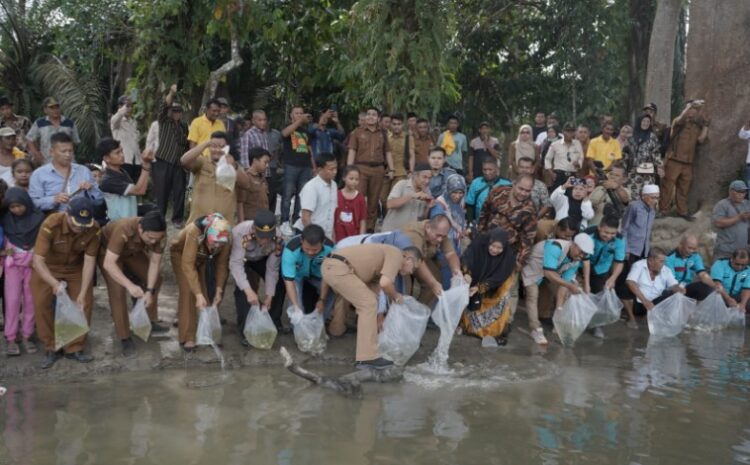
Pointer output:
604, 151
201, 129
18, 153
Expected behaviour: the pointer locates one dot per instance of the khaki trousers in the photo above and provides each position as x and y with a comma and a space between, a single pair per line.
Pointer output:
44, 303
136, 265
187, 314
676, 183
371, 184
341, 278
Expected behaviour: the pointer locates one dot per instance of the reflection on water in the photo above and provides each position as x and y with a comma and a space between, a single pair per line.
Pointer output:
673, 401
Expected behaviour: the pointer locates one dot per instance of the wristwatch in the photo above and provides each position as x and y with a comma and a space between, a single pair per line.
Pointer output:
151, 290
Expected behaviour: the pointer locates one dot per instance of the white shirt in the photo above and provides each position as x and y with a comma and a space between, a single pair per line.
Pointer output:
745, 135
560, 201
651, 289
319, 198
125, 130
564, 157
541, 138
6, 174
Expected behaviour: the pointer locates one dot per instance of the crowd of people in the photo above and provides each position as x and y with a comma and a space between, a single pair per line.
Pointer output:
392, 208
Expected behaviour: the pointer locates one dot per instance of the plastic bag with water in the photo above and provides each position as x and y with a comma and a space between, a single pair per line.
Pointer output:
259, 329
609, 308
669, 317
140, 323
573, 318
209, 327
70, 321
309, 331
711, 314
736, 317
403, 329
226, 175
447, 314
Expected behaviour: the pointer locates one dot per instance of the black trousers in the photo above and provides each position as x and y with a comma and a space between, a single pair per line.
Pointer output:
133, 170
169, 181
640, 310
274, 188
255, 271
698, 290
597, 282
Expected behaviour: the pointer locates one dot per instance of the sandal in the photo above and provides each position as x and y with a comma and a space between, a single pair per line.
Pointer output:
12, 350
28, 346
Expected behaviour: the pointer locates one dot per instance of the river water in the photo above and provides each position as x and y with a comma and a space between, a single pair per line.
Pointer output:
626, 401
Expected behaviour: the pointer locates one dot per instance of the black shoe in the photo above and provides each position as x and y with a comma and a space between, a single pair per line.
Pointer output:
378, 364
223, 321
128, 348
79, 357
157, 328
283, 329
50, 359
243, 342
501, 341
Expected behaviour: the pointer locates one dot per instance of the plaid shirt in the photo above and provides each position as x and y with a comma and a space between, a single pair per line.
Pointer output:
519, 221
253, 137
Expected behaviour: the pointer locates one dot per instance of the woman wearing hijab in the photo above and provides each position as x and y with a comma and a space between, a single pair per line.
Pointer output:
571, 200
451, 204
200, 260
20, 222
644, 162
522, 147
488, 265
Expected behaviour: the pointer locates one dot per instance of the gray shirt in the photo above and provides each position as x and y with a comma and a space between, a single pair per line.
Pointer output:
734, 237
636, 228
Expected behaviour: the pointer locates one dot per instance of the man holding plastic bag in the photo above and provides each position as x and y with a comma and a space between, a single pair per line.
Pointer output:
651, 282
65, 260
686, 264
555, 262
356, 274
300, 267
211, 193
133, 247
732, 279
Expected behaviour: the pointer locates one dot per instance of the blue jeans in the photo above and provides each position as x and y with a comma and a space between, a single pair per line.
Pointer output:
315, 282
294, 178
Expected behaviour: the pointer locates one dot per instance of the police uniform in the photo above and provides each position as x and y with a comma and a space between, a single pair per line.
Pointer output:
121, 237
63, 251
354, 273
605, 255
189, 255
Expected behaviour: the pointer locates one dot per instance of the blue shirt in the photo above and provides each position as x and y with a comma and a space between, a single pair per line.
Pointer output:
394, 238
46, 183
554, 261
733, 281
437, 181
606, 253
685, 269
297, 265
321, 140
480, 189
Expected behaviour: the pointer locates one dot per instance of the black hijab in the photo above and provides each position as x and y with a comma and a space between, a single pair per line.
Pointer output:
639, 135
21, 230
574, 207
493, 271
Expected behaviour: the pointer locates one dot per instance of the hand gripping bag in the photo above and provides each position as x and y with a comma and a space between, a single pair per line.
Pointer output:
226, 175
403, 329
309, 331
669, 317
140, 323
711, 314
70, 321
209, 327
572, 319
259, 329
609, 308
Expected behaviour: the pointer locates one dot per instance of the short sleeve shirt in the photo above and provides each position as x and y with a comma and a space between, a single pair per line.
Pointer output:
651, 288
297, 149
201, 129
370, 145
733, 281
685, 269
604, 151
606, 253
555, 259
415, 232
320, 198
62, 248
296, 264
735, 236
43, 129
414, 210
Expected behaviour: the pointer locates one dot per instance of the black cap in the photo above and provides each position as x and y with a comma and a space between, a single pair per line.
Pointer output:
81, 210
422, 167
264, 223
650, 106
569, 127
554, 115
5, 101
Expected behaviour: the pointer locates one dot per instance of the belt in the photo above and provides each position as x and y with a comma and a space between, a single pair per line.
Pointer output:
372, 164
339, 258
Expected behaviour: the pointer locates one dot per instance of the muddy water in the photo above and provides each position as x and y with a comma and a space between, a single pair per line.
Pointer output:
682, 401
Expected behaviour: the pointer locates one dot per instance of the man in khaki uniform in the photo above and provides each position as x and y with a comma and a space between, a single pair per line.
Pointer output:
357, 274
402, 151
208, 196
133, 246
429, 236
255, 198
65, 251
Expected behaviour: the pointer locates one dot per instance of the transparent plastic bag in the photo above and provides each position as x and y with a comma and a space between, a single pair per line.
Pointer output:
259, 329
609, 308
669, 317
736, 317
140, 323
451, 305
226, 175
573, 318
403, 329
70, 321
711, 314
209, 327
309, 331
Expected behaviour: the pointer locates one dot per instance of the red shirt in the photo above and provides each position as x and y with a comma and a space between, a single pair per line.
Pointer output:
349, 214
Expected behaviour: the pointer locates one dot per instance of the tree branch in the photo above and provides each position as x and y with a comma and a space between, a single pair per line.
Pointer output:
235, 61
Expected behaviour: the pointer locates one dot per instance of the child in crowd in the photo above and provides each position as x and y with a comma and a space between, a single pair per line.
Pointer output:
20, 225
21, 170
351, 210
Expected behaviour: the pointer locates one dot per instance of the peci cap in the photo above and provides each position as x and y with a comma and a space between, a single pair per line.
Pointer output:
650, 106
7, 132
175, 107
81, 210
222, 101
584, 242
50, 102
650, 189
569, 126
264, 223
5, 101
422, 167
738, 186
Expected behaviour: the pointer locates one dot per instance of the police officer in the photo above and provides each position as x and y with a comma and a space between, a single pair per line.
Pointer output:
300, 268
65, 251
357, 273
256, 254
687, 264
133, 247
732, 278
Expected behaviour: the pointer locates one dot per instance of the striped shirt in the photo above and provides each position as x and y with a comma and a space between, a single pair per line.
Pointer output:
172, 138
252, 138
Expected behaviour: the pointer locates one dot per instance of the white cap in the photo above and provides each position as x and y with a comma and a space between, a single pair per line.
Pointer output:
650, 189
584, 242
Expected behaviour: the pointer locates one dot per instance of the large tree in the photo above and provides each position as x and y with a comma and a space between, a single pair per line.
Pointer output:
661, 56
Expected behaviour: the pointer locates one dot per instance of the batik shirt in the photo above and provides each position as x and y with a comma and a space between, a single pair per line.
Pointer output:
519, 221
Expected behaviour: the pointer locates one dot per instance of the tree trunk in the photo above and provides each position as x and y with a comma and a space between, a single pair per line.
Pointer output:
235, 61
661, 57
717, 62
641, 18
